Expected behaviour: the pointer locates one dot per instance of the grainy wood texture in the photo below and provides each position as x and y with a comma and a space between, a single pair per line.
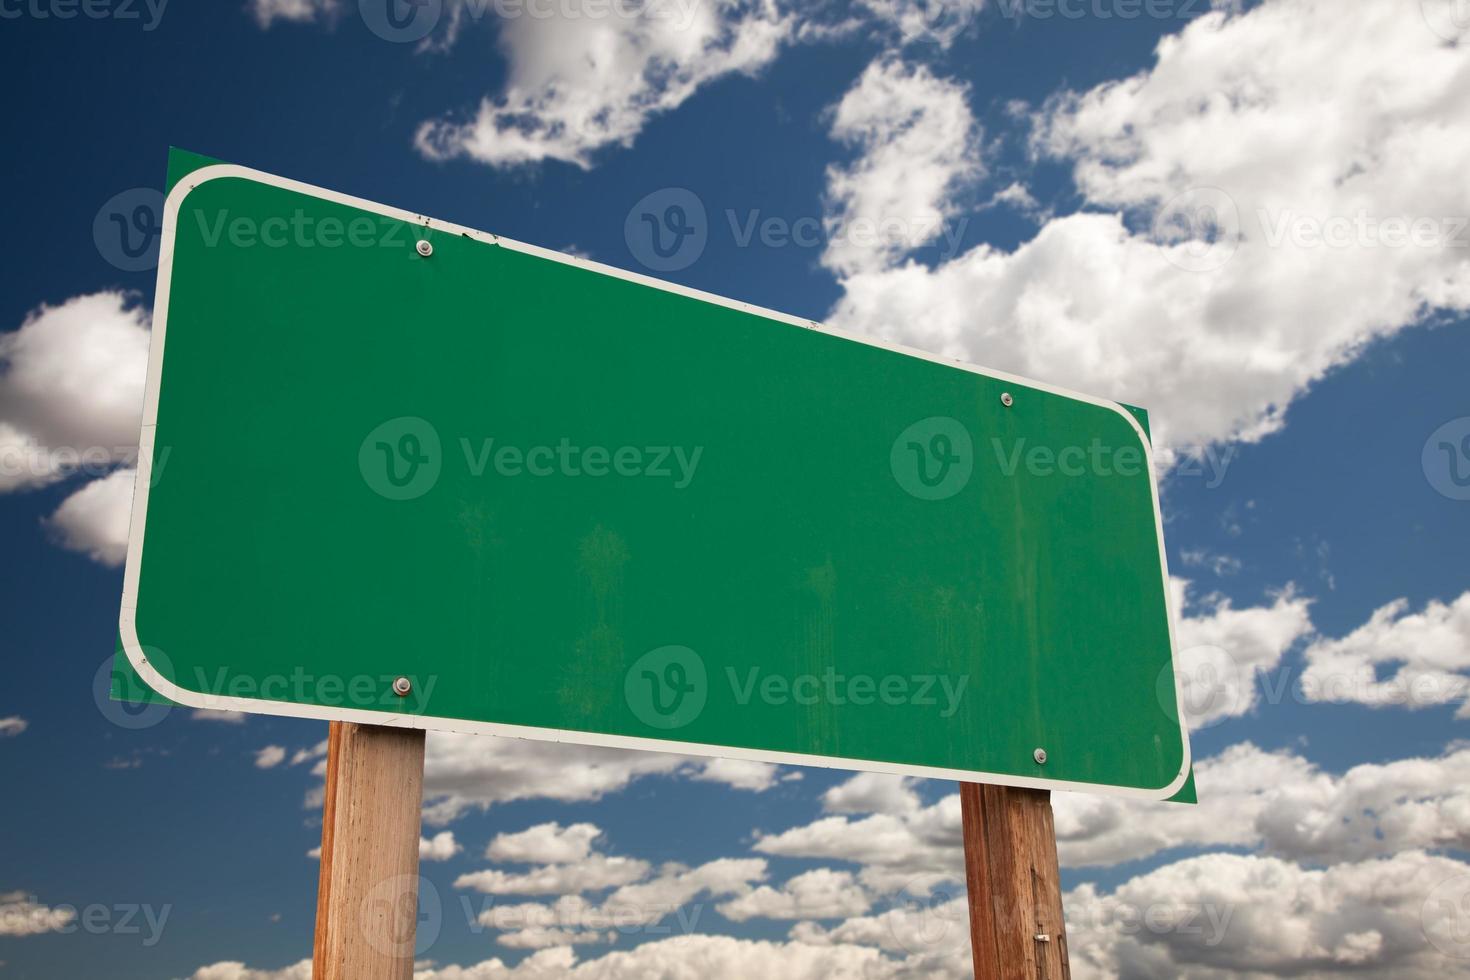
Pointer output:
367, 898
1015, 889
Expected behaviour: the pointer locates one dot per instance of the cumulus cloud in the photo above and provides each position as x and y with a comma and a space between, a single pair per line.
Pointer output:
592, 873
1227, 915
467, 772
270, 757
441, 847
94, 520
12, 726
71, 399
1397, 658
1191, 282
267, 12
546, 843
718, 958
817, 894
1223, 650
21, 915
578, 81
916, 139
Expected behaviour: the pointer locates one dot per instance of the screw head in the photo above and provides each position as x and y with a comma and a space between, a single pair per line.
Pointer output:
1006, 399
424, 248
1040, 756
402, 687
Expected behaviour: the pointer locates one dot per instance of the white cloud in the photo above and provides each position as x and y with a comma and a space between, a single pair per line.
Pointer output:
936, 21
441, 847
717, 958
239, 971
21, 915
645, 902
216, 715
1224, 915
268, 12
592, 873
757, 777
317, 751
872, 792
917, 139
892, 848
94, 520
817, 894
1366, 118
579, 82
1222, 650
465, 772
546, 843
270, 757
1280, 803
13, 726
71, 389
1429, 652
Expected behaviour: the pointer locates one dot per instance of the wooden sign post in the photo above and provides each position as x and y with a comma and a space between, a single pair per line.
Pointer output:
1015, 894
367, 899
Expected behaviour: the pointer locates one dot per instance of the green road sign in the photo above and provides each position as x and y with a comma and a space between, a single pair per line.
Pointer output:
400, 472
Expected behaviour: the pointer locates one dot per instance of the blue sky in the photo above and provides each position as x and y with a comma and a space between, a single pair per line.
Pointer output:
1213, 239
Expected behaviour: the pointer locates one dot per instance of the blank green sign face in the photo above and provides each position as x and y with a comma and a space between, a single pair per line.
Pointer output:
569, 503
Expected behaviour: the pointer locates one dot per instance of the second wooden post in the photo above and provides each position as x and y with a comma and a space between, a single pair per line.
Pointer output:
1015, 892
367, 898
